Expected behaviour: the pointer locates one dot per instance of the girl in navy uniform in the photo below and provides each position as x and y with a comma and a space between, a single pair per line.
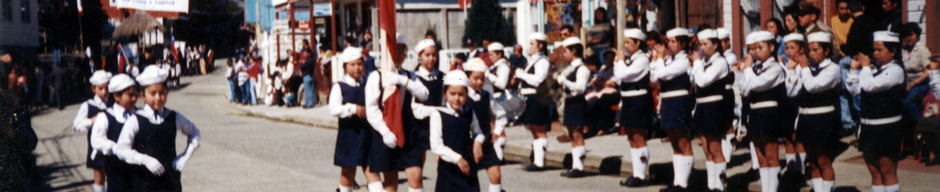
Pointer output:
710, 74
733, 100
815, 83
456, 137
574, 79
85, 118
536, 114
880, 83
498, 73
492, 120
794, 153
384, 154
669, 68
762, 82
416, 138
631, 69
148, 139
347, 102
107, 128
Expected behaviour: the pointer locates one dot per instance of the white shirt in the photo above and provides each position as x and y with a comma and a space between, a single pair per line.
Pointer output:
420, 110
374, 99
336, 106
678, 64
437, 142
541, 65
866, 80
702, 77
500, 79
242, 73
82, 123
582, 76
771, 76
99, 131
124, 149
829, 77
730, 57
496, 110
916, 61
638, 68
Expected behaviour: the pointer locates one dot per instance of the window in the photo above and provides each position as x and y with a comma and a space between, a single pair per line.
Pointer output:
25, 10
6, 10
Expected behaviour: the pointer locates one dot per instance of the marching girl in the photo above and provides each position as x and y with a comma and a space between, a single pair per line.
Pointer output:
710, 74
383, 152
107, 129
814, 81
669, 68
149, 138
347, 102
574, 79
456, 137
85, 118
631, 68
536, 114
794, 153
732, 100
762, 83
498, 73
416, 137
486, 109
880, 83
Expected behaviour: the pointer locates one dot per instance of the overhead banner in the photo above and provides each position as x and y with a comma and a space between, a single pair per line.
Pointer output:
181, 6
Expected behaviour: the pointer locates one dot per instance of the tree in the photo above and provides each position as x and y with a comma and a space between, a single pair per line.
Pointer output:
485, 20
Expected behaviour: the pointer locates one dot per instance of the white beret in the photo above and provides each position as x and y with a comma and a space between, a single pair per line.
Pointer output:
99, 77
759, 36
886, 36
495, 46
399, 38
152, 75
456, 78
678, 31
538, 37
571, 41
793, 37
475, 65
424, 44
723, 33
634, 33
707, 34
351, 54
120, 82
819, 37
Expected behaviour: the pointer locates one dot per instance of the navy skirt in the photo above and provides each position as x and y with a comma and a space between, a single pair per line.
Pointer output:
450, 179
636, 112
880, 140
381, 158
352, 146
535, 113
710, 118
764, 122
790, 110
676, 112
141, 179
576, 109
489, 155
119, 175
99, 161
417, 142
819, 129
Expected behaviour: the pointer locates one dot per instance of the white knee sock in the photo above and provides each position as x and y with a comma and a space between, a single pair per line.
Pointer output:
496, 187
376, 187
676, 161
345, 189
802, 162
97, 188
576, 154
764, 181
877, 188
829, 185
641, 163
726, 147
685, 168
635, 160
754, 164
720, 169
710, 173
538, 148
893, 188
415, 190
817, 184
790, 157
498, 147
774, 181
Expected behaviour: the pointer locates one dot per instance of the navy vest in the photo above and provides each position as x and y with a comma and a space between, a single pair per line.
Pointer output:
93, 110
456, 132
354, 95
407, 114
157, 141
883, 104
573, 77
716, 88
482, 109
435, 90
495, 89
114, 127
531, 70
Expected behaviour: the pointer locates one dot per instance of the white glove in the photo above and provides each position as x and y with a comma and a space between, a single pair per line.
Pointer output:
742, 132
519, 71
154, 166
395, 79
180, 162
389, 139
106, 151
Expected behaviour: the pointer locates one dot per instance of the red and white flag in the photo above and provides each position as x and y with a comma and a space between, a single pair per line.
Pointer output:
391, 100
79, 4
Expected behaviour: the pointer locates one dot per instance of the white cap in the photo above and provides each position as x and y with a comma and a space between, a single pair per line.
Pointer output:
99, 77
793, 37
707, 34
495, 46
634, 33
456, 78
120, 82
886, 36
821, 37
571, 41
424, 44
723, 33
538, 36
759, 36
678, 31
351, 54
474, 65
399, 38
152, 75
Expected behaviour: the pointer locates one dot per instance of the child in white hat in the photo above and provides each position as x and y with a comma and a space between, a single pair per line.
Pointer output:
85, 118
669, 68
347, 102
486, 107
456, 138
107, 128
762, 83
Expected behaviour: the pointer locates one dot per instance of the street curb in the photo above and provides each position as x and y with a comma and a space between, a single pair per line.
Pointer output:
328, 124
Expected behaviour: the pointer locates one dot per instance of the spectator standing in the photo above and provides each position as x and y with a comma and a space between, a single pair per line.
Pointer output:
309, 69
253, 70
242, 70
841, 23
601, 35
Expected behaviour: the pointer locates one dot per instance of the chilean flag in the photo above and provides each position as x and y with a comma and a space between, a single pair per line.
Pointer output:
391, 100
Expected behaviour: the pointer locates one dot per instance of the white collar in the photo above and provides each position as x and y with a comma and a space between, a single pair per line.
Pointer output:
768, 61
98, 102
577, 62
350, 81
118, 112
450, 110
472, 94
825, 63
499, 63
426, 75
638, 53
155, 117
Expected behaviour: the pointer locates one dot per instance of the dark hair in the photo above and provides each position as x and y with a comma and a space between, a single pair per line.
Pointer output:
856, 6
841, 1
324, 47
350, 39
431, 33
643, 45
306, 41
567, 27
544, 44
802, 44
593, 60
775, 44
781, 29
655, 36
896, 48
720, 49
934, 59
824, 45
685, 42
602, 20
909, 29
578, 50
461, 56
796, 17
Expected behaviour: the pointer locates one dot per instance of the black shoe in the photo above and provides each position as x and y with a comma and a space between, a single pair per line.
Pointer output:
532, 167
573, 173
356, 185
633, 182
673, 188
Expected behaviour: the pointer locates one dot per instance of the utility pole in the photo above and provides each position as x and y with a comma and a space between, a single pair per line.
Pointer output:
621, 22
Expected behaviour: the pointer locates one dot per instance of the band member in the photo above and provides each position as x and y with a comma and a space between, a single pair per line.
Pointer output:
762, 83
416, 137
709, 74
669, 68
632, 68
498, 73
536, 114
347, 102
794, 153
732, 99
457, 138
107, 129
880, 83
85, 118
574, 79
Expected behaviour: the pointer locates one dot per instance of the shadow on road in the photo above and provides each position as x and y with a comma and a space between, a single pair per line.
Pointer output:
60, 173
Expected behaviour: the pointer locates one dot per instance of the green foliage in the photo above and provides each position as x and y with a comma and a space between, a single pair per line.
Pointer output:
485, 20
